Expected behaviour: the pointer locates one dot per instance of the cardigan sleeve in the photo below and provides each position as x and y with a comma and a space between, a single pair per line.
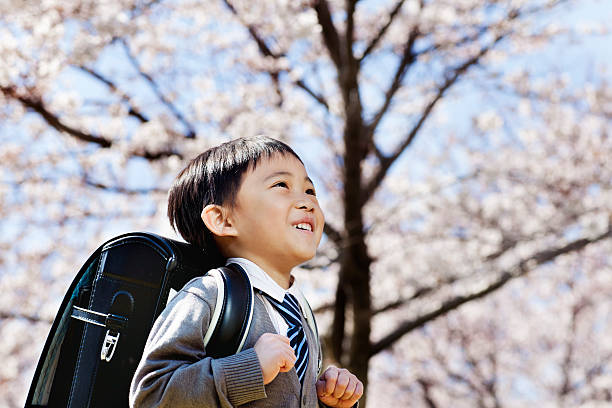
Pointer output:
175, 371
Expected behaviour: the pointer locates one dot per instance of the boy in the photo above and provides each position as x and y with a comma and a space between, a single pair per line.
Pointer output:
252, 201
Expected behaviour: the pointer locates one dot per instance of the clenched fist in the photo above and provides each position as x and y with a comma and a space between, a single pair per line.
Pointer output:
338, 388
275, 355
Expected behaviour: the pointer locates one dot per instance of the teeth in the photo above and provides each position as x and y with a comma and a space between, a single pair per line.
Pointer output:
304, 226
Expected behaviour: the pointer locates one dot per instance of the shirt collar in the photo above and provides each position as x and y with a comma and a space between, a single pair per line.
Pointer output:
261, 280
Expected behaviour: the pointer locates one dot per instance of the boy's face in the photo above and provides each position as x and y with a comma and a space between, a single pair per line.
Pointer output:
276, 216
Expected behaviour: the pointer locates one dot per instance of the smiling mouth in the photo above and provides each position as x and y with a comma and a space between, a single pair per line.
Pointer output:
303, 227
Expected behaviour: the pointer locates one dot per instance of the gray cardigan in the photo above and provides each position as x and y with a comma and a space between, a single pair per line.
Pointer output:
175, 372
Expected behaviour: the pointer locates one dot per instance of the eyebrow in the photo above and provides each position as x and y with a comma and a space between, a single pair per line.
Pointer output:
286, 173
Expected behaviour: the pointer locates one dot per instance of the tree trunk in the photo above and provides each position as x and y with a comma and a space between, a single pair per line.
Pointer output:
355, 269
338, 330
359, 354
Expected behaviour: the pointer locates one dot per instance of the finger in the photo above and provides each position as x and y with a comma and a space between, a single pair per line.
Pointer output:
331, 376
341, 383
286, 350
278, 337
320, 385
269, 336
358, 391
292, 357
289, 359
350, 388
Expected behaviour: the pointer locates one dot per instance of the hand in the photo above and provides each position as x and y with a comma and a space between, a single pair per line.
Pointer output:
275, 355
337, 387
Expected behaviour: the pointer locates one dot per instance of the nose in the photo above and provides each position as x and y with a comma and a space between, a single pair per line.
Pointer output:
305, 204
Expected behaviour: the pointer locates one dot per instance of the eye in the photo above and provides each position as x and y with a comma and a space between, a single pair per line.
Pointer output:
281, 184
311, 191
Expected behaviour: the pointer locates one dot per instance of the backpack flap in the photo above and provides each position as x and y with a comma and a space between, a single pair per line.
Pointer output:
51, 382
132, 273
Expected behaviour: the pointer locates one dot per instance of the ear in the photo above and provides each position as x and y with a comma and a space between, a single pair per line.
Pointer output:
217, 220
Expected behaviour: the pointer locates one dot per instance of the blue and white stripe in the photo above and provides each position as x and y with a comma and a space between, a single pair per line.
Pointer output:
289, 309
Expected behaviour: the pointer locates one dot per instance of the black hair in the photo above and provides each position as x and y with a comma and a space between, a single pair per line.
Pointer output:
214, 177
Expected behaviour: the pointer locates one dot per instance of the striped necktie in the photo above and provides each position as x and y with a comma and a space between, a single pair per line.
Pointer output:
290, 310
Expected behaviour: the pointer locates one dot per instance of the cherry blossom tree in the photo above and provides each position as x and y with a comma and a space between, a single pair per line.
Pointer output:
464, 177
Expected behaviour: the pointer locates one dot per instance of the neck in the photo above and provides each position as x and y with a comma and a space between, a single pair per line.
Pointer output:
280, 275
282, 279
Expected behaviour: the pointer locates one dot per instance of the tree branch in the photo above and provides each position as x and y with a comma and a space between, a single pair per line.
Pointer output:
456, 376
419, 292
566, 365
113, 87
123, 190
382, 31
324, 307
452, 78
486, 384
470, 38
155, 87
520, 270
511, 15
261, 44
319, 98
387, 162
333, 234
407, 59
267, 52
86, 181
350, 32
36, 104
426, 385
161, 154
30, 318
331, 39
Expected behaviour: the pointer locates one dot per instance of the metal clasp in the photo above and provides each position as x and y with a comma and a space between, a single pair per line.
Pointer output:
110, 344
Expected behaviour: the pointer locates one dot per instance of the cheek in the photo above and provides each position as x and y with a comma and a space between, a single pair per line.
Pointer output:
320, 216
269, 217
253, 221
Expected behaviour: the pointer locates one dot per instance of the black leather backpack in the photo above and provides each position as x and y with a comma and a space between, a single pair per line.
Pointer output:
99, 333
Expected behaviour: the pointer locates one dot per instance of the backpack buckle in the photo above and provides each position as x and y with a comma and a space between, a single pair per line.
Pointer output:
109, 345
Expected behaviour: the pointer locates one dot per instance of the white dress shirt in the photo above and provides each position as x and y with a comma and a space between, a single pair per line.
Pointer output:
262, 281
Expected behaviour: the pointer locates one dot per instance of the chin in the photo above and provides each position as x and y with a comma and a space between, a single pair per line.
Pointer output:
307, 257
301, 257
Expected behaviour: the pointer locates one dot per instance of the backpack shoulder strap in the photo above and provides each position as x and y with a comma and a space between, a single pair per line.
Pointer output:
231, 320
310, 319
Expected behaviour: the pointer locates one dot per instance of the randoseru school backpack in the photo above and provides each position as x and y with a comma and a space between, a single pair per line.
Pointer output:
99, 333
